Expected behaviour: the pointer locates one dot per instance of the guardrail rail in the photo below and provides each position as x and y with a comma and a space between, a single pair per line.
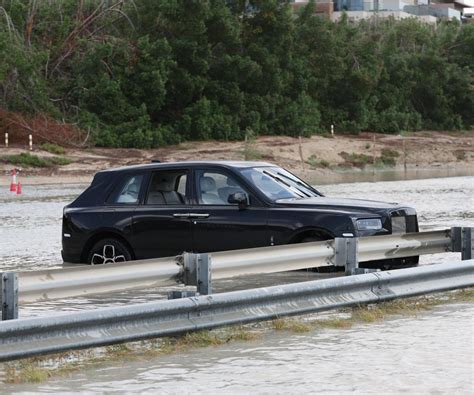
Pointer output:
37, 336
201, 269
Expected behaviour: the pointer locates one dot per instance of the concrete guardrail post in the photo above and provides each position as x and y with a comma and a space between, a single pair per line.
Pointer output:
9, 295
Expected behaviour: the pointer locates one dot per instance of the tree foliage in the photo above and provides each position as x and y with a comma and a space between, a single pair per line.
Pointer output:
145, 73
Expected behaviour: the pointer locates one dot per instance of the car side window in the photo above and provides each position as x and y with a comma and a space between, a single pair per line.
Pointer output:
214, 188
167, 188
130, 190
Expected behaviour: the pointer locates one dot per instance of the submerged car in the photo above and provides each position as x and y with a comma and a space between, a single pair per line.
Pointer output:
163, 209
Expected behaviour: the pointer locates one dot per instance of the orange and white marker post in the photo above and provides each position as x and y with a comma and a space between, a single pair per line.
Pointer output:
6, 140
13, 184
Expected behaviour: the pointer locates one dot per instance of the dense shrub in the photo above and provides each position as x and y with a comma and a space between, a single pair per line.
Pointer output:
148, 73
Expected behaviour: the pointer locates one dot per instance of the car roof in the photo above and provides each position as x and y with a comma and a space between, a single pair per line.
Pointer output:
171, 165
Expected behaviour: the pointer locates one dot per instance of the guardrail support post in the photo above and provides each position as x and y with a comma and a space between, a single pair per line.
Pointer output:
346, 254
9, 296
467, 244
204, 274
462, 240
198, 272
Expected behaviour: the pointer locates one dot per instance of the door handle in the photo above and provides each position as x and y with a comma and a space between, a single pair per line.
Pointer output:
198, 215
181, 215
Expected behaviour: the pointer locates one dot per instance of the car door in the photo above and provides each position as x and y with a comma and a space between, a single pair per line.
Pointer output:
161, 225
218, 225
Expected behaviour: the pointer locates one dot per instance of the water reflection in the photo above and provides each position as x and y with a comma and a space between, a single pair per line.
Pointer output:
349, 176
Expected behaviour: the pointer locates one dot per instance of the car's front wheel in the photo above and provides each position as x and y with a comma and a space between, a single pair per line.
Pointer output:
391, 264
108, 251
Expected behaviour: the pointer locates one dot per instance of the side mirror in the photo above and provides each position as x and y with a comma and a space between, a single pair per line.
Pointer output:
239, 198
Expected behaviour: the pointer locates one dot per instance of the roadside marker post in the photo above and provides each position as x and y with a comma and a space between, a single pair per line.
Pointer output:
13, 183
9, 295
6, 140
30, 138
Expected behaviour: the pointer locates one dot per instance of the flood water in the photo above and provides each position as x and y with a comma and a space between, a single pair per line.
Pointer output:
430, 354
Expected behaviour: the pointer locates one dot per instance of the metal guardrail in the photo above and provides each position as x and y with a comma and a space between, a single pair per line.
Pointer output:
83, 280
50, 284
38, 336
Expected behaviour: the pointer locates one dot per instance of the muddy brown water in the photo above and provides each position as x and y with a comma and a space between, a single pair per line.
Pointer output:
432, 353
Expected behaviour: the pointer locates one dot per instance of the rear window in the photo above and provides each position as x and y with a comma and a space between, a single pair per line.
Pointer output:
129, 190
167, 187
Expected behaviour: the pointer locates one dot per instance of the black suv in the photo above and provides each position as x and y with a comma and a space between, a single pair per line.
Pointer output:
163, 209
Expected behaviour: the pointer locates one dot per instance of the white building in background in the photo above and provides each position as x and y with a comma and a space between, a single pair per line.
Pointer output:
397, 15
424, 10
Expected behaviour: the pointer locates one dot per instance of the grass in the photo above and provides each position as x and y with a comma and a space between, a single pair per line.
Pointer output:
460, 155
28, 160
250, 150
30, 373
387, 157
53, 148
313, 162
40, 369
372, 313
291, 324
355, 160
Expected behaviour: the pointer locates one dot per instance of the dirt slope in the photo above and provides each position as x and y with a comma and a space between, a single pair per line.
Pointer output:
320, 154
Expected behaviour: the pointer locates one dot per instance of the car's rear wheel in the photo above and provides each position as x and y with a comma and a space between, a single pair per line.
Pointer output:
108, 251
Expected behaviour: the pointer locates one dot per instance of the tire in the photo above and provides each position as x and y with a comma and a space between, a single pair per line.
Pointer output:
108, 251
391, 264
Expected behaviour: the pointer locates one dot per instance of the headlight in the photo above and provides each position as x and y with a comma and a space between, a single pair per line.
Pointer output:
369, 224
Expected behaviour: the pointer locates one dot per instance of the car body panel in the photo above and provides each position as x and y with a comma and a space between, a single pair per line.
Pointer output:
159, 231
228, 228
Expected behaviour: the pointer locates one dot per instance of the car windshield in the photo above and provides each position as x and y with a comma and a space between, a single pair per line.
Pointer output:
277, 183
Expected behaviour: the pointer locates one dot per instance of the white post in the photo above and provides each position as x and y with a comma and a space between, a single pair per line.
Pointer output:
31, 142
332, 130
301, 152
6, 140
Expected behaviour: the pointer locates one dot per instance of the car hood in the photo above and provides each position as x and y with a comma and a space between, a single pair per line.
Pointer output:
359, 204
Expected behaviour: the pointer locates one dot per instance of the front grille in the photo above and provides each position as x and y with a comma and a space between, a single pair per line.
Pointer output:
399, 225
412, 223
404, 224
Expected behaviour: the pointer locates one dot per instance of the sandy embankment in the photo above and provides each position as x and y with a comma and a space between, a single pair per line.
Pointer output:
321, 155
